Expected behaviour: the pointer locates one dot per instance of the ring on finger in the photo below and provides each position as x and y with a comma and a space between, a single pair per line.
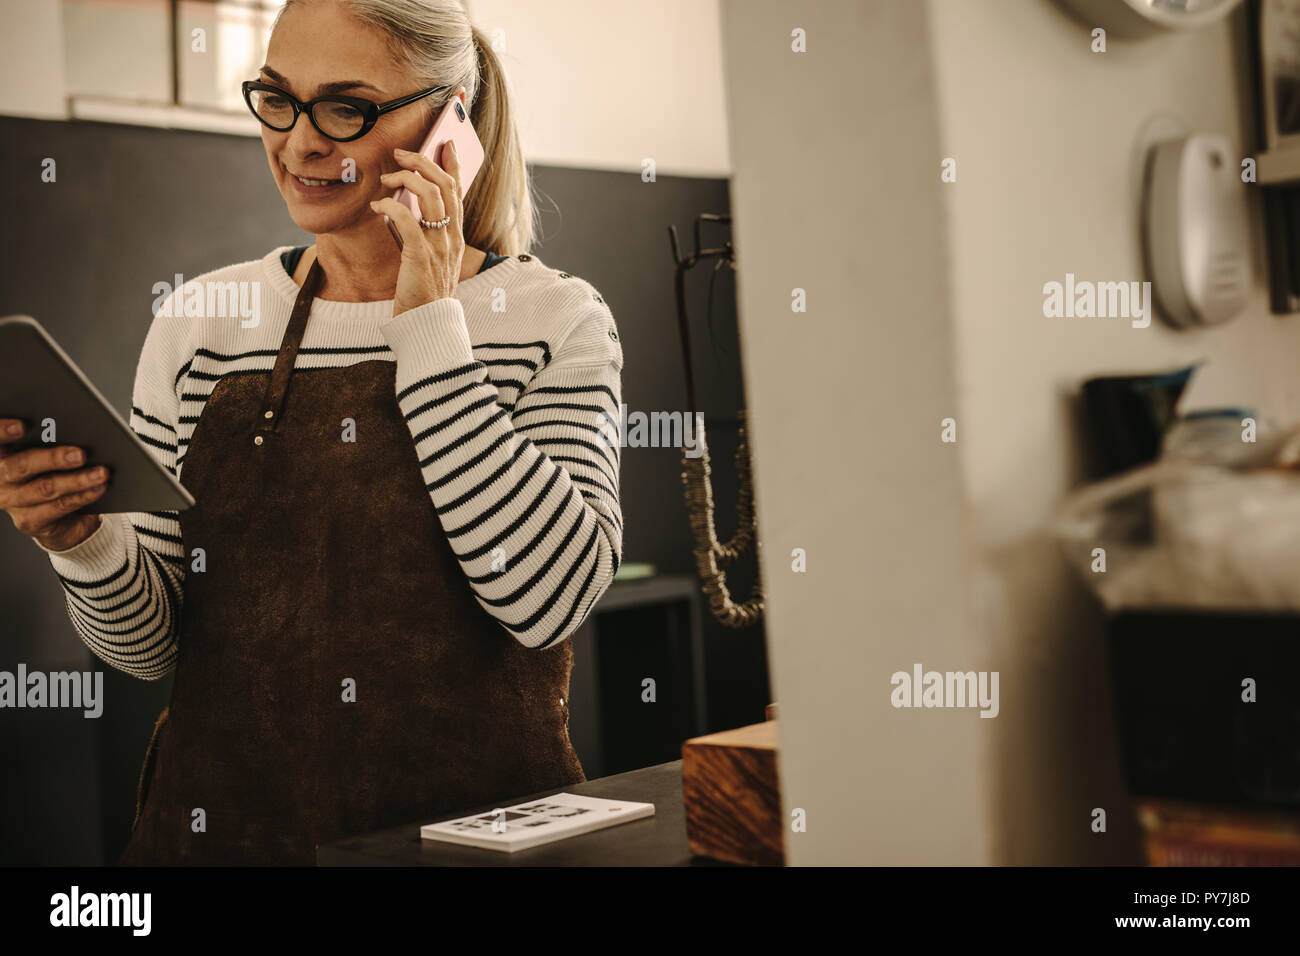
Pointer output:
440, 224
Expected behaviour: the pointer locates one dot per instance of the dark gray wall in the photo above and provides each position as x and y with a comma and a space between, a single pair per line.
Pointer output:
132, 206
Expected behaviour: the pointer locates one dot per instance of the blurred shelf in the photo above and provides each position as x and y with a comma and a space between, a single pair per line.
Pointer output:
161, 115
1279, 167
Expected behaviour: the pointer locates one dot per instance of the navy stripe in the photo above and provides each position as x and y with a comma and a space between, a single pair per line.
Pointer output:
522, 590
439, 378
564, 625
544, 346
518, 523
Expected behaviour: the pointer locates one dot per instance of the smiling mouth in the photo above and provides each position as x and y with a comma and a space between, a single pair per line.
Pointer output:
316, 182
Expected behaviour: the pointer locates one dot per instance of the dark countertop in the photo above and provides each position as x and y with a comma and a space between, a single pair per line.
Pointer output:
657, 841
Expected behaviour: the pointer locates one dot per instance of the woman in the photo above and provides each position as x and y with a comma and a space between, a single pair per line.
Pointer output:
407, 498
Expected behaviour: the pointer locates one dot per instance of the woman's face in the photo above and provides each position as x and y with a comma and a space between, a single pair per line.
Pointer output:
315, 45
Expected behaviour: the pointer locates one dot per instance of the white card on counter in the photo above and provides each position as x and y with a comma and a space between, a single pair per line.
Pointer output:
524, 825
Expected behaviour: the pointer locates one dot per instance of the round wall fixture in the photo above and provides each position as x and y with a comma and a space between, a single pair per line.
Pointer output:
1138, 18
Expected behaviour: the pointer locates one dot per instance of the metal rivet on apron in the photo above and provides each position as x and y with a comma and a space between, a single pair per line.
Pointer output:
257, 439
269, 413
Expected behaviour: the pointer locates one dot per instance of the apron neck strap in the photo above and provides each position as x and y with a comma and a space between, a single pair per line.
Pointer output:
278, 386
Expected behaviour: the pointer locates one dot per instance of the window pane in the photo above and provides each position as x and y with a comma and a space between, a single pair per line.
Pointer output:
218, 46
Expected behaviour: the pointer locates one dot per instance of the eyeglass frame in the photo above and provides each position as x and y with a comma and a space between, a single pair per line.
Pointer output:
370, 110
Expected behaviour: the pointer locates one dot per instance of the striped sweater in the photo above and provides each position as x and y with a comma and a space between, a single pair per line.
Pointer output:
511, 391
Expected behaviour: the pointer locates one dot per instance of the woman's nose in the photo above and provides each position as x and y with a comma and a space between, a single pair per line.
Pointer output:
305, 139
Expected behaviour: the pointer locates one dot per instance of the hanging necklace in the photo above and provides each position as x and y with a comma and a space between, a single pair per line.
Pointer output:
712, 557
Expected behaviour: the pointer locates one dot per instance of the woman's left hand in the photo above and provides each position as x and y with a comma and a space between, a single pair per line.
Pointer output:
431, 258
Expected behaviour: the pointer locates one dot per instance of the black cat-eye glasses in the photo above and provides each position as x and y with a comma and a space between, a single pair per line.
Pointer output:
341, 118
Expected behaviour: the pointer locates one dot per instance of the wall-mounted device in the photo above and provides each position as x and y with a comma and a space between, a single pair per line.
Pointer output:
1194, 229
1139, 18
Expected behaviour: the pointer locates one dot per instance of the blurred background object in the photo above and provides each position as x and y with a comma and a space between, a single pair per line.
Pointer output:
1140, 18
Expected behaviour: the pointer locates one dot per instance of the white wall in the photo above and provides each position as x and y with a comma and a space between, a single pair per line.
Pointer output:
31, 59
605, 83
1045, 136
834, 192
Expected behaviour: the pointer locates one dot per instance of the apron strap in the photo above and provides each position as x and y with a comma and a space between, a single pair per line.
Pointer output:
276, 389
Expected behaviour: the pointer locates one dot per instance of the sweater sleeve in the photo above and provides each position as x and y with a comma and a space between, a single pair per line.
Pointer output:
123, 583
528, 498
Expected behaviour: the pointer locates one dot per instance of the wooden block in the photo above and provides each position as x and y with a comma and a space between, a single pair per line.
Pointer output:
769, 712
733, 795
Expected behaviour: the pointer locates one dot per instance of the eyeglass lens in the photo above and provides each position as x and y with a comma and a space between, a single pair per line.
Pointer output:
334, 119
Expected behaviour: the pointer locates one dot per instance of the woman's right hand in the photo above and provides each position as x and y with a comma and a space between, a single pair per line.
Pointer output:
40, 488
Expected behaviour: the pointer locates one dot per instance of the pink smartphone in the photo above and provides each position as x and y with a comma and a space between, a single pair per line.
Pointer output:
452, 124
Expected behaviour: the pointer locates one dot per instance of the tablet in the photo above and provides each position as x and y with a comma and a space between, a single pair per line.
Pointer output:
38, 381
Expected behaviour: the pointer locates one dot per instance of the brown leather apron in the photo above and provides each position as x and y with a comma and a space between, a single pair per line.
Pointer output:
327, 567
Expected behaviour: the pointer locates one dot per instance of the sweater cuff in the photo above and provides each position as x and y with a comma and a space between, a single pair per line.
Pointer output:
433, 335
100, 555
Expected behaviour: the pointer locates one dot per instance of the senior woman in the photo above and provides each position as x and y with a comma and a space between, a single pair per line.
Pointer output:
407, 499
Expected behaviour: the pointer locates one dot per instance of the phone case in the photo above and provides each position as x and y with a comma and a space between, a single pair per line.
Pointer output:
452, 124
